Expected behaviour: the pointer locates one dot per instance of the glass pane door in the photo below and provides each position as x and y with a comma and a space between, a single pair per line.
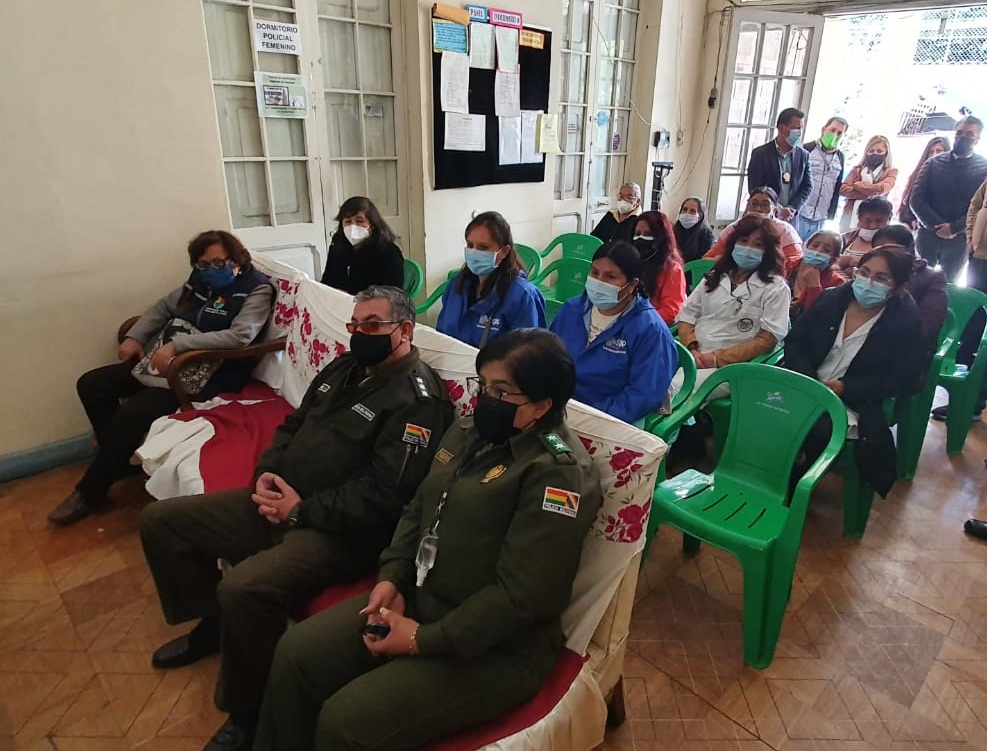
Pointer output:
770, 66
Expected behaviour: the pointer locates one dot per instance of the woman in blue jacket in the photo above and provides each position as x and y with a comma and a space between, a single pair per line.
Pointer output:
492, 294
624, 353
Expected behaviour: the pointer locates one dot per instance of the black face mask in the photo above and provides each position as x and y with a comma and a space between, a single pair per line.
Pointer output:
645, 248
370, 349
494, 419
963, 145
873, 160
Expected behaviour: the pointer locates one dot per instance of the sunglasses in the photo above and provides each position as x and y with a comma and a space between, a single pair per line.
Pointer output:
370, 327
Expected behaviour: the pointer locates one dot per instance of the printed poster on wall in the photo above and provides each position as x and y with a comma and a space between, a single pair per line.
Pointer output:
280, 95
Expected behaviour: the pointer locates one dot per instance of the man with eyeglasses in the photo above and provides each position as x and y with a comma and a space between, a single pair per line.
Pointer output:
327, 496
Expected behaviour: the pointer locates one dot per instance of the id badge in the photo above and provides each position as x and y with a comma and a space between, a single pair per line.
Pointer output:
425, 558
786, 177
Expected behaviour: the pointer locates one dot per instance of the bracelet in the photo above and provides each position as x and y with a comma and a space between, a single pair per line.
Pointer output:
414, 642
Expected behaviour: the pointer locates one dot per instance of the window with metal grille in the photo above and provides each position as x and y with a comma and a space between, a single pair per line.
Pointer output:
956, 36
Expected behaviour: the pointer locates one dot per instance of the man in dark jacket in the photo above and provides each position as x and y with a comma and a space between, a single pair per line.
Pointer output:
826, 163
941, 196
327, 496
783, 165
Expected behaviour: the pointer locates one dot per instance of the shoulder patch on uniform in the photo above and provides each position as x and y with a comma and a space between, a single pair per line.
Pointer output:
443, 456
362, 410
324, 388
420, 386
554, 443
560, 501
416, 435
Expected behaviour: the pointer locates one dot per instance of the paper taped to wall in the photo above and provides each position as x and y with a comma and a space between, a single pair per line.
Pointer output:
450, 13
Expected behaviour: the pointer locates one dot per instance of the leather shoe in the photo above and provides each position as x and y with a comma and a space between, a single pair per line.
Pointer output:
77, 506
976, 528
200, 642
941, 413
230, 737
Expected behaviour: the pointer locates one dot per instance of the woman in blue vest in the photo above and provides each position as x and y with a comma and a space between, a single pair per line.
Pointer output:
224, 304
624, 353
492, 294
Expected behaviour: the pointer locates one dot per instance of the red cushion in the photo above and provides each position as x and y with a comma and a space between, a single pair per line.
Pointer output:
508, 723
334, 595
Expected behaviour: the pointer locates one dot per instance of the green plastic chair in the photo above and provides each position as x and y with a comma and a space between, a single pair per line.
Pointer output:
743, 506
414, 277
687, 364
696, 270
574, 245
436, 293
913, 412
963, 385
570, 281
530, 259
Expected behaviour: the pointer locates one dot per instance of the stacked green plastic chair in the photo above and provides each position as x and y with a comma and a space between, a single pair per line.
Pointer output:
530, 259
414, 277
574, 245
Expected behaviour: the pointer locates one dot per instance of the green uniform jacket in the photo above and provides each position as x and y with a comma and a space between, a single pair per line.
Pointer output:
358, 446
508, 543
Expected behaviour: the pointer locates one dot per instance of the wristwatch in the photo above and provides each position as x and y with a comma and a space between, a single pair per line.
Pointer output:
294, 517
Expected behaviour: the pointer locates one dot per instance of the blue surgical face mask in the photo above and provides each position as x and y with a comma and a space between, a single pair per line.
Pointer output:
601, 294
218, 278
869, 293
794, 137
746, 257
481, 262
816, 259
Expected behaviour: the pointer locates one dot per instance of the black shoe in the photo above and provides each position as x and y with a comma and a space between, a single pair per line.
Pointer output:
975, 528
201, 641
77, 506
230, 737
941, 413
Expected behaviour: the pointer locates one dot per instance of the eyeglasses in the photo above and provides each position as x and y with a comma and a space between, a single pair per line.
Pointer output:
881, 278
370, 327
760, 205
476, 386
218, 263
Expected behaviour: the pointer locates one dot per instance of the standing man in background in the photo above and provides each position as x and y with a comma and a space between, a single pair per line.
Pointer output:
783, 164
941, 196
826, 163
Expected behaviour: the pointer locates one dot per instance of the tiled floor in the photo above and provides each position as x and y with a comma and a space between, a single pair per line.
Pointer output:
884, 645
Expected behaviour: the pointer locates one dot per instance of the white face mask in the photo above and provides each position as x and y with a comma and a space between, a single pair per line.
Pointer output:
688, 220
866, 234
355, 233
625, 207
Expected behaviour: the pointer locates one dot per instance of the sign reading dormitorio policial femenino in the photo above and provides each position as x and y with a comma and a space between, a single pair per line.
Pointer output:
275, 36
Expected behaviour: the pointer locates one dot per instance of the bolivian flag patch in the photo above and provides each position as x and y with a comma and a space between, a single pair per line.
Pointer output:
416, 435
560, 501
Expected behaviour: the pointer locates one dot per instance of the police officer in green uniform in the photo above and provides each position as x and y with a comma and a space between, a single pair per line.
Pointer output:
472, 586
327, 496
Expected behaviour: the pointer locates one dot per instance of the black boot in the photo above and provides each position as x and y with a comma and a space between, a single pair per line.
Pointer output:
975, 528
233, 736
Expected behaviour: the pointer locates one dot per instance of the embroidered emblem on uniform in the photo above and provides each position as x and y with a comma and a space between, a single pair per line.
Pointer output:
482, 321
560, 501
558, 445
617, 346
493, 473
422, 388
363, 411
443, 456
745, 324
416, 435
324, 388
219, 302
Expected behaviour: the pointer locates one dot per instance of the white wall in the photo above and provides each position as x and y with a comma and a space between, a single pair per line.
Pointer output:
110, 163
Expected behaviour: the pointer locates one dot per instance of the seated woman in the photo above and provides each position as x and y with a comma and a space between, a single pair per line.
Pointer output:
472, 587
362, 252
859, 339
693, 234
926, 286
624, 353
740, 310
872, 214
225, 304
618, 223
662, 277
816, 271
763, 202
492, 294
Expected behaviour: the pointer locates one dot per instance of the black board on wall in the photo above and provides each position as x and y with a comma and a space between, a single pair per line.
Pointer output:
464, 169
